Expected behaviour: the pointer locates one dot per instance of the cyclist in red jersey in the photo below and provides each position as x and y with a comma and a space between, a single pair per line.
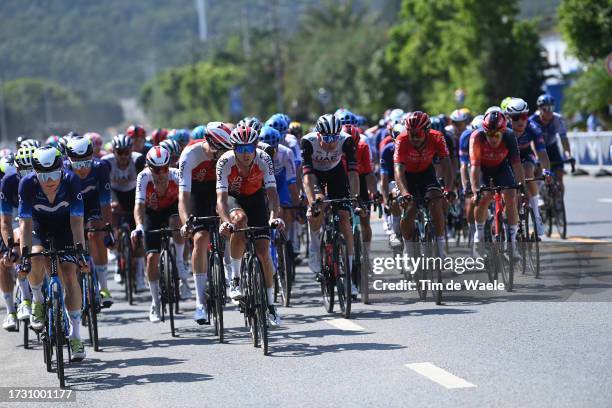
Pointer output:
494, 157
367, 182
415, 175
245, 178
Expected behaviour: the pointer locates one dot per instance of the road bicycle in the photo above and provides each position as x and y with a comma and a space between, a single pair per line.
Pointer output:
553, 210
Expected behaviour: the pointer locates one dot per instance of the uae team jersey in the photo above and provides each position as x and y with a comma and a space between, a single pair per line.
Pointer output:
484, 155
418, 160
124, 180
260, 175
315, 158
147, 193
196, 167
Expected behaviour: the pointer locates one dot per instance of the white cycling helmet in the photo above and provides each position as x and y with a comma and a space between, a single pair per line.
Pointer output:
493, 109
158, 156
243, 136
328, 125
458, 115
218, 135
516, 105
477, 121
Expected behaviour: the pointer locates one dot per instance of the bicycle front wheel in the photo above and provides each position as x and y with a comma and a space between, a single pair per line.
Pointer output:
217, 291
533, 246
59, 338
343, 277
92, 316
260, 303
327, 280
167, 274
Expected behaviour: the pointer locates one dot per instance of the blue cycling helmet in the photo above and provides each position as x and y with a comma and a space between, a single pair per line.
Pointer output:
347, 117
198, 132
278, 122
545, 99
286, 117
271, 136
361, 120
182, 136
436, 124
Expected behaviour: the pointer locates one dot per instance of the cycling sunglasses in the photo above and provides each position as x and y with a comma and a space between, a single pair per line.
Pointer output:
494, 135
24, 173
245, 149
417, 134
160, 170
50, 176
547, 108
123, 152
519, 116
82, 164
330, 138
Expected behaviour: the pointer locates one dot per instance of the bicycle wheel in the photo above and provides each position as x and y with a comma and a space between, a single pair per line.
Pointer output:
522, 239
343, 277
364, 279
175, 279
92, 316
163, 289
261, 303
26, 334
281, 271
217, 279
58, 335
506, 256
290, 278
560, 217
128, 271
327, 279
533, 246
46, 337
167, 275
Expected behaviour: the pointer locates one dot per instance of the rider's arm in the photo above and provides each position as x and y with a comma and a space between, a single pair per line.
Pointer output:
6, 222
514, 156
222, 207
475, 150
563, 135
6, 213
399, 168
447, 172
269, 180
350, 152
184, 205
465, 177
25, 213
105, 193
310, 179
141, 194
273, 202
290, 171
77, 210
139, 213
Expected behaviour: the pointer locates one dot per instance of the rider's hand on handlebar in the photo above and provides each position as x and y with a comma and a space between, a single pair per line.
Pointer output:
278, 222
404, 200
226, 229
186, 231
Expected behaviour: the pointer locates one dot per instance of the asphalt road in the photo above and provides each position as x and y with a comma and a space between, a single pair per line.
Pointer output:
546, 344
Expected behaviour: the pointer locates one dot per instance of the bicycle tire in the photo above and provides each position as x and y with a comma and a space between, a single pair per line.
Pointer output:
59, 339
128, 272
26, 334
281, 271
533, 246
163, 290
46, 338
344, 283
523, 239
549, 210
560, 219
290, 270
217, 292
506, 264
92, 316
364, 279
327, 281
167, 276
261, 303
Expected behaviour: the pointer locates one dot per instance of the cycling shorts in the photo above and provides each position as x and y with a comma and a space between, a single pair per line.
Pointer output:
255, 208
92, 209
502, 175
333, 183
155, 220
203, 203
554, 155
127, 202
363, 190
61, 234
527, 156
419, 184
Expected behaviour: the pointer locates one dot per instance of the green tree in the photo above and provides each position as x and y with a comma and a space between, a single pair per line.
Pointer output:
590, 92
587, 27
474, 45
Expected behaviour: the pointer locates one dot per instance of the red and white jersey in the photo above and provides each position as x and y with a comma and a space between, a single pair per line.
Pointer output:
147, 193
196, 166
261, 174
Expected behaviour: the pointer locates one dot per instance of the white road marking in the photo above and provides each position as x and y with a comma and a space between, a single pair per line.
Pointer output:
605, 200
344, 324
440, 376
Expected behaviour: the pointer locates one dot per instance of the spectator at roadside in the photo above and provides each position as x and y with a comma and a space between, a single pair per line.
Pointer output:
593, 123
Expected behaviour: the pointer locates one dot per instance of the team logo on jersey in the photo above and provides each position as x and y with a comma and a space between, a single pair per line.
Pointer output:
79, 196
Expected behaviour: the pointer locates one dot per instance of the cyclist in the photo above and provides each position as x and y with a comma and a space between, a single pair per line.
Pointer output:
175, 151
295, 128
138, 134
197, 182
242, 175
530, 139
181, 136
367, 182
156, 207
494, 155
97, 142
324, 172
436, 124
284, 173
416, 177
9, 203
388, 188
280, 122
7, 282
125, 164
464, 160
552, 124
50, 205
95, 184
158, 136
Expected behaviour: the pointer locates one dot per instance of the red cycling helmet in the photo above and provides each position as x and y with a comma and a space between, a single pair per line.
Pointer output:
136, 131
159, 135
417, 121
353, 131
494, 121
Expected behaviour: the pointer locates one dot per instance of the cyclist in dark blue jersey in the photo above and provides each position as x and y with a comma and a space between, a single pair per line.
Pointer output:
389, 188
95, 184
51, 207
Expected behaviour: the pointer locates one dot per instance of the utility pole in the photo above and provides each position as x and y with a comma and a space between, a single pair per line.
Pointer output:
202, 25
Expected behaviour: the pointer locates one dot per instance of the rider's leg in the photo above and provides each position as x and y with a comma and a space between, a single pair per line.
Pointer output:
436, 209
199, 264
262, 248
7, 284
73, 297
153, 275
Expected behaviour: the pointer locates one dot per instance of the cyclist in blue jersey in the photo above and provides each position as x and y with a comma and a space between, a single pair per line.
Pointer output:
51, 207
7, 282
284, 173
95, 184
8, 207
552, 124
389, 188
464, 169
530, 140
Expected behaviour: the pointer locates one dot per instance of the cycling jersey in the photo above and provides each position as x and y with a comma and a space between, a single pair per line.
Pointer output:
318, 159
229, 179
147, 193
292, 142
124, 180
417, 161
364, 159
9, 194
550, 130
196, 167
33, 202
484, 155
96, 186
532, 133
386, 161
388, 139
464, 146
